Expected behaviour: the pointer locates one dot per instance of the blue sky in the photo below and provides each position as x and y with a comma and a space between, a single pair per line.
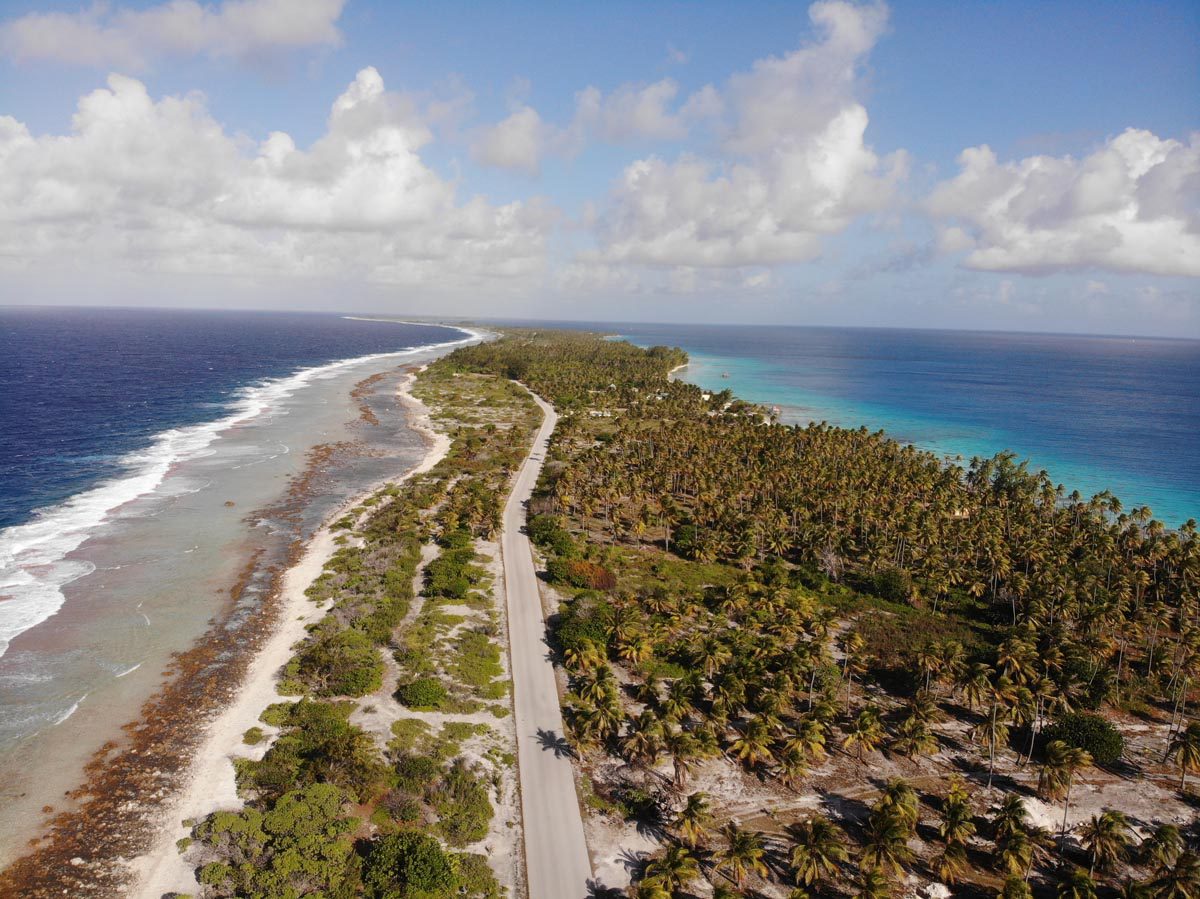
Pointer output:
686, 161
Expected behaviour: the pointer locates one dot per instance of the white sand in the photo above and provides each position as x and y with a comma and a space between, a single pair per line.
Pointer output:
210, 783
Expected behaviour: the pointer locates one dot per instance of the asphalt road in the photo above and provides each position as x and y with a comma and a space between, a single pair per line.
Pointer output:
556, 857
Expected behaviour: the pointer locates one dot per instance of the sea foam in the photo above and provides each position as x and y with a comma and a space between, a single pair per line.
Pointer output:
33, 564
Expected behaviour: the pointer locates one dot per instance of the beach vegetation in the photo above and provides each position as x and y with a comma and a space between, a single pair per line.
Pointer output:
317, 745
339, 663
253, 736
1090, 732
302, 845
426, 694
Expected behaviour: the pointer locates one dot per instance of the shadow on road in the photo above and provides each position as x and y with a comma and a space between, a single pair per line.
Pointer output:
552, 742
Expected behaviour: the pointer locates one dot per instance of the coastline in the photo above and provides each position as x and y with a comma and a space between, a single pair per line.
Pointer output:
210, 784
60, 529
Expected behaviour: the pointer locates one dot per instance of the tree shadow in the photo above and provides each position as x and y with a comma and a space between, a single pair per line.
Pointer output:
597, 890
551, 741
634, 861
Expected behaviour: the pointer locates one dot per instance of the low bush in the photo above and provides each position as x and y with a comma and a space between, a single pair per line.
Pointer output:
346, 663
253, 736
424, 694
299, 846
547, 532
318, 746
1085, 730
586, 619
462, 804
580, 573
416, 772
408, 864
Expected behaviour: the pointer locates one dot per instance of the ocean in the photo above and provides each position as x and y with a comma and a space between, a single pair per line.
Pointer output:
156, 467
1096, 413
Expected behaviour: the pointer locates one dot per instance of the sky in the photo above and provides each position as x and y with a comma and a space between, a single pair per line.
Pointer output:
1030, 166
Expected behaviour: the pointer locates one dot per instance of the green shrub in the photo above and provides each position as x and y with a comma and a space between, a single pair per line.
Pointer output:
462, 804
318, 746
547, 531
253, 736
277, 713
892, 584
408, 734
346, 663
426, 693
415, 772
299, 846
408, 864
475, 877
1085, 730
584, 620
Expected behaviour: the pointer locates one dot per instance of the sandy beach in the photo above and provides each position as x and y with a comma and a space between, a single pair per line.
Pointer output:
210, 783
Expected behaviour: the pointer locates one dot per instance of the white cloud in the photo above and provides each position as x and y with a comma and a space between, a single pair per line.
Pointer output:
130, 38
795, 166
518, 142
161, 186
632, 112
1132, 205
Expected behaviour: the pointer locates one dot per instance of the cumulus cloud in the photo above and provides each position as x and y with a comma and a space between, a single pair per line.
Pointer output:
1132, 205
130, 38
518, 142
795, 165
631, 112
159, 185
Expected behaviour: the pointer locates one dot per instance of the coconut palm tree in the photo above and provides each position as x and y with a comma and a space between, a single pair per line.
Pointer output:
693, 819
899, 797
873, 884
975, 684
1106, 837
793, 765
808, 737
866, 734
1014, 853
1185, 750
1058, 774
1162, 847
951, 863
1181, 880
753, 744
914, 738
1015, 888
685, 752
743, 853
819, 850
1077, 884
887, 834
643, 742
993, 730
674, 869
1011, 817
957, 826
649, 889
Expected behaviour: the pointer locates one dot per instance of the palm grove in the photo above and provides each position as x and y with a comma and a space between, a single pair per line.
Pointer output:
912, 660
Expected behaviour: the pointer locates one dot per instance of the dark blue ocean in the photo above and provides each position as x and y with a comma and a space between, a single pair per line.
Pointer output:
1096, 413
83, 390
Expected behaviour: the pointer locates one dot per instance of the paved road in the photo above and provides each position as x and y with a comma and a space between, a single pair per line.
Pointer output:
556, 856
